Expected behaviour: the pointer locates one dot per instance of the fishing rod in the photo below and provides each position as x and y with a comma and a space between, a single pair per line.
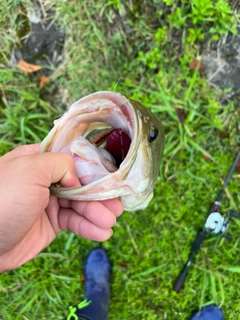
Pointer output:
215, 223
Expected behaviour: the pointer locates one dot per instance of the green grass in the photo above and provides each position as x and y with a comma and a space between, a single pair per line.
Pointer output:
144, 52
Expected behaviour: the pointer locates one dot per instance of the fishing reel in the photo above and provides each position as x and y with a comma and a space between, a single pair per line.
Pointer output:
216, 223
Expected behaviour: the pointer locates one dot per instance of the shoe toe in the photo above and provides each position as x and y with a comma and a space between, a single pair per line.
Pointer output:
98, 255
211, 312
98, 265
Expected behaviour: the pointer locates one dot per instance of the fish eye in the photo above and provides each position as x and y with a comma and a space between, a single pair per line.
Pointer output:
152, 135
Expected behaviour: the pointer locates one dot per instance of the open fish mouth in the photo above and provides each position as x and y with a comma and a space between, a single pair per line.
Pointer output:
98, 134
113, 140
107, 135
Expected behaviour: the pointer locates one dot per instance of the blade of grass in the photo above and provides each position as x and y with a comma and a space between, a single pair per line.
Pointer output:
213, 288
147, 272
199, 148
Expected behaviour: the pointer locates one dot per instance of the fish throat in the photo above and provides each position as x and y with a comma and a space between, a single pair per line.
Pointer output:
115, 141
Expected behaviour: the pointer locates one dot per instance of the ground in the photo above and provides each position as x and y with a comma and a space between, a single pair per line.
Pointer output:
150, 51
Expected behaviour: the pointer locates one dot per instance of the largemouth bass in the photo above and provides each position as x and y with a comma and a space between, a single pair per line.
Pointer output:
117, 145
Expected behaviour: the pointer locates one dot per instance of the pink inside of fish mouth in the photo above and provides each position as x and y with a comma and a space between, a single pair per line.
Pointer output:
117, 143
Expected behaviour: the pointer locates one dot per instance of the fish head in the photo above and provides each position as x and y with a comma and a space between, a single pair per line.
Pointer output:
101, 176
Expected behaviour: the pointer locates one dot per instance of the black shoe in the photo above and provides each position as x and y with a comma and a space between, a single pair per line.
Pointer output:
211, 312
97, 285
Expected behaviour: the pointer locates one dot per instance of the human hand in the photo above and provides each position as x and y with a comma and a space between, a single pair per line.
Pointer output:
30, 218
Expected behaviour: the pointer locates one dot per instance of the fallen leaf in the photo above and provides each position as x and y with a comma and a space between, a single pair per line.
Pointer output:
43, 81
181, 116
123, 264
177, 106
27, 67
224, 134
206, 157
195, 64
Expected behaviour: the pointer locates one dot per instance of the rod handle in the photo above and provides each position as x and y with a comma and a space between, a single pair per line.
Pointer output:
181, 278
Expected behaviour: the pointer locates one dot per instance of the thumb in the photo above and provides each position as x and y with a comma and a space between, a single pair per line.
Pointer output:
56, 167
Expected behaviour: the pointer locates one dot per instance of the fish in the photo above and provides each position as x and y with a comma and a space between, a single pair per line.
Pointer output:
117, 145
